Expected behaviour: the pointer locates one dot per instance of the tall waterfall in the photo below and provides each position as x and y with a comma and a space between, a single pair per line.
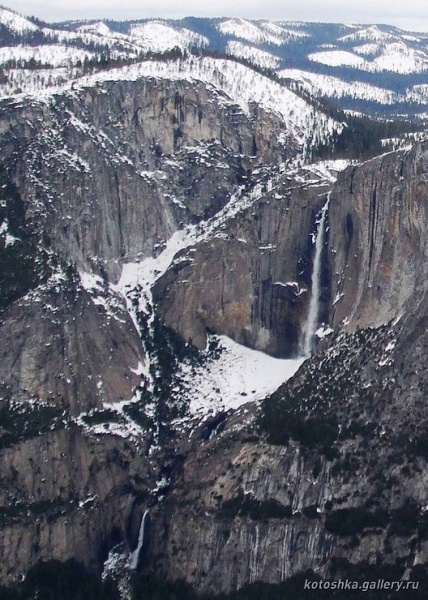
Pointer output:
310, 326
133, 562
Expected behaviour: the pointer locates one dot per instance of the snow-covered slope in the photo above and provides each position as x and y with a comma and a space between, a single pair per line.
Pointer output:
15, 22
99, 28
156, 36
237, 376
398, 58
395, 57
337, 58
369, 34
254, 55
333, 87
118, 44
48, 55
259, 32
338, 61
35, 80
150, 36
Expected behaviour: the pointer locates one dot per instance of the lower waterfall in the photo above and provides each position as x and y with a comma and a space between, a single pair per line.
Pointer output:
310, 326
133, 562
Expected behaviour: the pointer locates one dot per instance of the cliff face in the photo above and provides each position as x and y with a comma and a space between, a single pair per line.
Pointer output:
65, 495
331, 476
98, 176
92, 178
250, 282
111, 170
238, 541
59, 345
101, 176
378, 243
250, 279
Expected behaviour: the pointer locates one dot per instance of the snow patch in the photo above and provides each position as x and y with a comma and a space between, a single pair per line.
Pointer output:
15, 22
9, 239
323, 332
337, 58
254, 55
159, 37
239, 375
262, 32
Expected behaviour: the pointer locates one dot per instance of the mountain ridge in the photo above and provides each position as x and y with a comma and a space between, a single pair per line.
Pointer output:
266, 44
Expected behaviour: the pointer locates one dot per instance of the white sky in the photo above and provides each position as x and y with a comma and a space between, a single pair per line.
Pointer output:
411, 15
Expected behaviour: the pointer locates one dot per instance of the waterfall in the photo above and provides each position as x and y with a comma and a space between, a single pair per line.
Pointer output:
310, 326
133, 562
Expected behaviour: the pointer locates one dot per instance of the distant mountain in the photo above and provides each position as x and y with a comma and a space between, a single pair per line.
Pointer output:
372, 69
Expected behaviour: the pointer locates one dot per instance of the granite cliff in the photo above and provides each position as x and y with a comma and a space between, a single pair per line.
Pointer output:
160, 213
330, 474
95, 177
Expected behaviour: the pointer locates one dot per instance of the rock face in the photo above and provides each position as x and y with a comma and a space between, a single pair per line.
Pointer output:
102, 175
58, 345
65, 495
373, 263
331, 477
112, 170
251, 280
378, 243
342, 480
217, 494
90, 179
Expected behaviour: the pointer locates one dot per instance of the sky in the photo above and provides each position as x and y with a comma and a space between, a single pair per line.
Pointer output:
411, 15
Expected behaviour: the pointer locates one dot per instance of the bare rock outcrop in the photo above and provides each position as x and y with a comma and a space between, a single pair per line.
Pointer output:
251, 279
379, 220
66, 494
